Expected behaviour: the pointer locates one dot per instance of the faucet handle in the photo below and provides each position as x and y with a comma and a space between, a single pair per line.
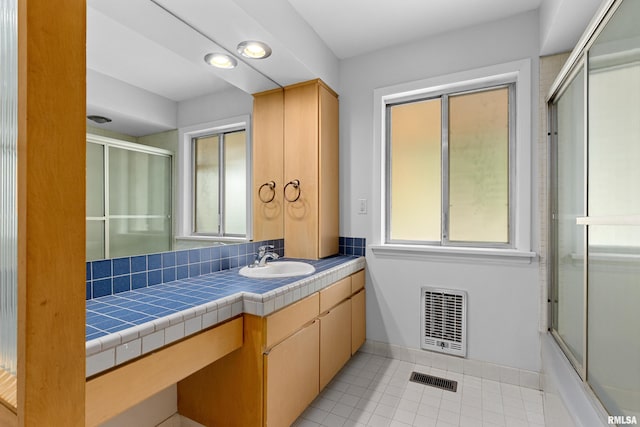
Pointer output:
263, 249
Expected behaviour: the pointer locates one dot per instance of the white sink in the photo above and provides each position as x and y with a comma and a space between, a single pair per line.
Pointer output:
278, 269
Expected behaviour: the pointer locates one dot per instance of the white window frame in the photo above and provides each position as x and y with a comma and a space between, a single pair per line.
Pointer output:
185, 196
518, 72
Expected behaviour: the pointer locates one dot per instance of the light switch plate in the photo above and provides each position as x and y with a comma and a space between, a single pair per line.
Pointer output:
362, 206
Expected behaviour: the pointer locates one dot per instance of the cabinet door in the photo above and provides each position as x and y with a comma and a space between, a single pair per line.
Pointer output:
358, 321
268, 164
301, 163
335, 341
328, 179
291, 371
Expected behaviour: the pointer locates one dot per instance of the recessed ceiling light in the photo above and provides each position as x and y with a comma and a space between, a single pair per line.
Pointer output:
221, 60
254, 49
99, 119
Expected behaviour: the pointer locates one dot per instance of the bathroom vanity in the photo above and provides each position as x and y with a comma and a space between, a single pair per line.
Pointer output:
287, 358
256, 355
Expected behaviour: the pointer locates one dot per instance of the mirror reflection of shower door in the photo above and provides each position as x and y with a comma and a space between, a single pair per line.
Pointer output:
139, 202
569, 267
128, 200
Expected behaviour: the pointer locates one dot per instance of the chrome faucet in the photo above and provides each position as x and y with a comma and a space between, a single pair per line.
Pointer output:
263, 255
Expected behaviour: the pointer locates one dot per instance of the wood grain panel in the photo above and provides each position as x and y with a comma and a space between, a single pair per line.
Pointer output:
358, 320
268, 163
285, 322
357, 281
301, 163
8, 418
328, 181
51, 212
334, 294
228, 392
335, 341
113, 392
291, 376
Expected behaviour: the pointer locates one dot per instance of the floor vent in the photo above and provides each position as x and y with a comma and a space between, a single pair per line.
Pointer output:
444, 323
432, 381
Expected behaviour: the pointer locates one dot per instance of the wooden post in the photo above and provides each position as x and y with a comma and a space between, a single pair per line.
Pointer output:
51, 212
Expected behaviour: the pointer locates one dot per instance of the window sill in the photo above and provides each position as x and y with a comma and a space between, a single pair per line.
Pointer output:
213, 239
453, 253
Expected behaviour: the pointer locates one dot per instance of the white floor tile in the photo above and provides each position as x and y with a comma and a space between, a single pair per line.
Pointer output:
375, 391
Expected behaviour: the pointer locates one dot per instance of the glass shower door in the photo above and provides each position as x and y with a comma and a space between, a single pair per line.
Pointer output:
613, 369
139, 202
569, 266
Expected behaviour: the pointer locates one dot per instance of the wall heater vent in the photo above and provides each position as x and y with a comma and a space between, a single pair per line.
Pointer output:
444, 320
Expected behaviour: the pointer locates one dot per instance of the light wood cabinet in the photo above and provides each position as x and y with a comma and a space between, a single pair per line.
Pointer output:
291, 376
358, 321
285, 322
335, 341
287, 357
335, 293
311, 212
268, 160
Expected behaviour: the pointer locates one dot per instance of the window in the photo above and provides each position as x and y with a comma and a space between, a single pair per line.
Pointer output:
448, 168
453, 165
220, 184
214, 175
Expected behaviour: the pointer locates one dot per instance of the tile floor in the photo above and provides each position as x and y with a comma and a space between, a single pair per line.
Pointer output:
375, 391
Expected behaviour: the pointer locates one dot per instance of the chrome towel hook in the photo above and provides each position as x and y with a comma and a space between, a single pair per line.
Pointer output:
272, 186
296, 184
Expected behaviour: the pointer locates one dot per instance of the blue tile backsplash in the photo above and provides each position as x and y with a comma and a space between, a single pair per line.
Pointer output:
352, 246
112, 276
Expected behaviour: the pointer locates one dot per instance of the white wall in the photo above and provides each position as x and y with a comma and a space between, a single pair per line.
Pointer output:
503, 297
220, 105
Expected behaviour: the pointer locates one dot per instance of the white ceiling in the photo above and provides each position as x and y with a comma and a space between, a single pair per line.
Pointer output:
158, 46
354, 27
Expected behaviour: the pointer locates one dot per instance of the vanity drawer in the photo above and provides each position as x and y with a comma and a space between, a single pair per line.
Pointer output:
357, 281
334, 294
285, 322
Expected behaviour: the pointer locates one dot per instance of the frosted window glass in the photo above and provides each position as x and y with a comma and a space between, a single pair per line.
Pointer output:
95, 180
570, 246
415, 172
206, 183
479, 167
235, 170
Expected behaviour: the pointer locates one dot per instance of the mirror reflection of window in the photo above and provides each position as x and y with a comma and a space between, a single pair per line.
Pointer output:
220, 184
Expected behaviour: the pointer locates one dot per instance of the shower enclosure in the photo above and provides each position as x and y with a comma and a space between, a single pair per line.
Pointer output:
595, 281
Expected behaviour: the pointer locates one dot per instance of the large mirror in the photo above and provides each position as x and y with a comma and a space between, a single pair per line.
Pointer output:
168, 135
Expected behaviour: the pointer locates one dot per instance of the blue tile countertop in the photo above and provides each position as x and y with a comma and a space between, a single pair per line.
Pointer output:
129, 324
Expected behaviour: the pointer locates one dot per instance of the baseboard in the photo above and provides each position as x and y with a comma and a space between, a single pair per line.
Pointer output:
177, 420
476, 368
